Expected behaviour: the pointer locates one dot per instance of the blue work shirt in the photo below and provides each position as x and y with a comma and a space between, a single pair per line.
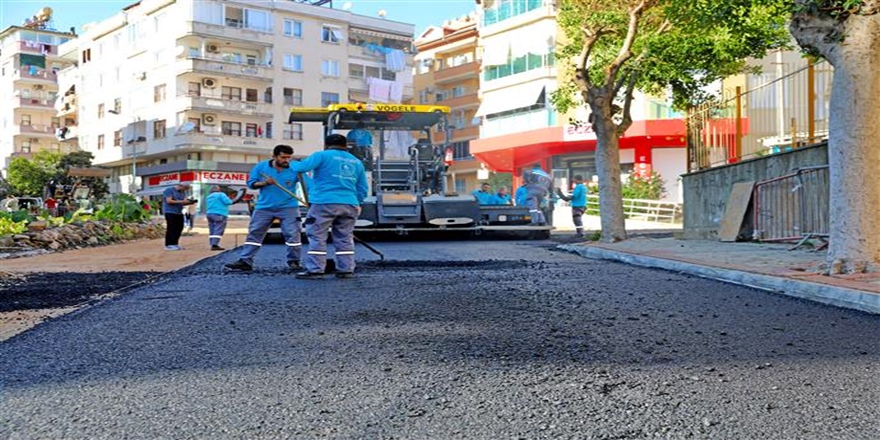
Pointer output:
175, 194
579, 196
521, 196
272, 197
498, 199
338, 177
483, 198
360, 137
218, 203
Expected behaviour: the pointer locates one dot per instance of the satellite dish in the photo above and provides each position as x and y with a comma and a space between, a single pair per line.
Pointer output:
186, 127
346, 6
381, 13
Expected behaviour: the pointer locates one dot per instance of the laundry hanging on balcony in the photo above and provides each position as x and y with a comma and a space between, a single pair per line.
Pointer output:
395, 59
379, 89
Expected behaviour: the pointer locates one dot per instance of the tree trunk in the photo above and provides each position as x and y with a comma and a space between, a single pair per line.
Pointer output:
853, 145
608, 166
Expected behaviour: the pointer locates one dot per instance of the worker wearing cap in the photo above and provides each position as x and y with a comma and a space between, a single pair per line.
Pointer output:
339, 186
173, 201
277, 182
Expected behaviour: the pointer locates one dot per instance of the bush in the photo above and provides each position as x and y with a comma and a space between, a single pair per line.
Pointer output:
646, 188
11, 227
124, 208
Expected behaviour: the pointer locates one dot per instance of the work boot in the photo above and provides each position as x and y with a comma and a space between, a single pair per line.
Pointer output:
306, 275
294, 265
240, 265
217, 248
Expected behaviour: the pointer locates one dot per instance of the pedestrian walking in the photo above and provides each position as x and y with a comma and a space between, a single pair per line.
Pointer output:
174, 199
217, 211
578, 199
338, 187
538, 184
276, 181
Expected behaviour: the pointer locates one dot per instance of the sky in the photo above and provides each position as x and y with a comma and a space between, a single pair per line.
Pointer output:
67, 13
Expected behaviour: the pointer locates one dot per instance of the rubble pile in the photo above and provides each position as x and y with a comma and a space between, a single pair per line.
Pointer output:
79, 234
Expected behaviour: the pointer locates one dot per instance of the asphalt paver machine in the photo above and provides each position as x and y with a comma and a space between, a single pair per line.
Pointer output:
407, 172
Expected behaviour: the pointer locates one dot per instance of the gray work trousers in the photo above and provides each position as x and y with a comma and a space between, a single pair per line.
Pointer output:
261, 219
534, 196
216, 228
321, 218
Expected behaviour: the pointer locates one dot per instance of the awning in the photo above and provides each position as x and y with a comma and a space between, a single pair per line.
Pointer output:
152, 191
511, 98
362, 31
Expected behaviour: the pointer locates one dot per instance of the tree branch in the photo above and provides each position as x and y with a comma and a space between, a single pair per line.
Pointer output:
625, 53
583, 65
626, 121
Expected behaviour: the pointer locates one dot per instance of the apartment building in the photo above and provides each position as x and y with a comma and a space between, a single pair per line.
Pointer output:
200, 90
29, 66
519, 125
448, 73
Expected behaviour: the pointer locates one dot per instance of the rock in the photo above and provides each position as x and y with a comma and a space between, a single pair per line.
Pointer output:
92, 241
55, 245
37, 226
19, 237
6, 241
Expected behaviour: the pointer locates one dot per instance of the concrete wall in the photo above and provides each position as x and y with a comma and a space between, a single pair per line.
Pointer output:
706, 192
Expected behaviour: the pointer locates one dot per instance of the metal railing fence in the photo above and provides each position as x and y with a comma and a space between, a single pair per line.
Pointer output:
792, 207
642, 209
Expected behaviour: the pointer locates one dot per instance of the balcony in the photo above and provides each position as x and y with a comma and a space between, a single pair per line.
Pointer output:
469, 100
68, 105
33, 130
218, 66
40, 103
38, 48
233, 31
219, 105
41, 76
463, 133
213, 140
457, 73
356, 84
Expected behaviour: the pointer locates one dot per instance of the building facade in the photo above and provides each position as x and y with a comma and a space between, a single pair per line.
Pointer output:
200, 90
520, 127
29, 66
448, 73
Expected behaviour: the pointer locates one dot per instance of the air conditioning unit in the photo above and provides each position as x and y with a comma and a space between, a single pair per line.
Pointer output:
38, 87
209, 83
209, 119
212, 48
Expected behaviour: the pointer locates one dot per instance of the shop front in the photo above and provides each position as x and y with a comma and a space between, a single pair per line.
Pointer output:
201, 183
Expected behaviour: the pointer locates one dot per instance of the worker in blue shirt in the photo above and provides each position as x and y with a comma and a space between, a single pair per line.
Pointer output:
521, 195
276, 182
338, 187
502, 197
217, 210
360, 136
484, 194
578, 199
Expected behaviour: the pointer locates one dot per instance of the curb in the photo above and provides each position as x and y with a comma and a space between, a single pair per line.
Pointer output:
836, 296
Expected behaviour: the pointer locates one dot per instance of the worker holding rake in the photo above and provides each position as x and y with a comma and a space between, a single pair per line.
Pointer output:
276, 181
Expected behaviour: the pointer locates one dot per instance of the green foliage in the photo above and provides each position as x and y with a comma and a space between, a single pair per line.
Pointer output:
497, 180
79, 159
28, 177
17, 216
9, 226
123, 208
645, 188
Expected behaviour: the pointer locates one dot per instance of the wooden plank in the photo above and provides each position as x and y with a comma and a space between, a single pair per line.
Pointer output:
735, 210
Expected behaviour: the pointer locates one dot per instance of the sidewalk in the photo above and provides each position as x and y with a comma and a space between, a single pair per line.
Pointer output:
766, 266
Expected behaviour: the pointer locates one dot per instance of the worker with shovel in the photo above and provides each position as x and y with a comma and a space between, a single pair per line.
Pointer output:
276, 181
339, 186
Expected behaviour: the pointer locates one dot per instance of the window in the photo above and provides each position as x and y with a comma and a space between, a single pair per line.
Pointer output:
159, 129
100, 111
117, 105
331, 34
159, 93
25, 146
388, 75
117, 138
355, 71
231, 128
56, 122
195, 89
330, 68
250, 130
197, 124
294, 132
86, 56
231, 93
268, 130
293, 97
458, 91
25, 119
250, 95
293, 62
328, 98
293, 28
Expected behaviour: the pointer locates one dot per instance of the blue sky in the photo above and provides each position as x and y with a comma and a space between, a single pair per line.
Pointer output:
67, 13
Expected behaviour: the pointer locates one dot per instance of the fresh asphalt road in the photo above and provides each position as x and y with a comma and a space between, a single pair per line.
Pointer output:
479, 340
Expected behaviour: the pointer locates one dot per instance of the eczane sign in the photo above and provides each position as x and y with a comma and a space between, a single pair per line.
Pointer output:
572, 133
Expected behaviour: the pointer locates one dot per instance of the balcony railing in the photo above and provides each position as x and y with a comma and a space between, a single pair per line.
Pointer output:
36, 102
225, 67
233, 30
459, 101
458, 72
214, 137
34, 129
40, 48
38, 74
360, 85
218, 104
